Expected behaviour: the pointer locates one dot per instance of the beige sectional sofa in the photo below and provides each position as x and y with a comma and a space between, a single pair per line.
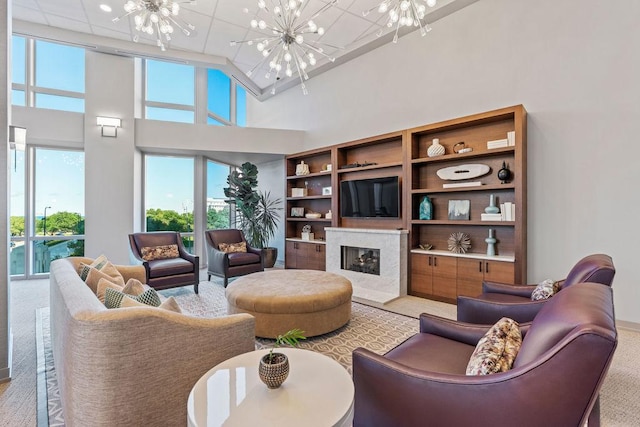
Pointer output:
131, 366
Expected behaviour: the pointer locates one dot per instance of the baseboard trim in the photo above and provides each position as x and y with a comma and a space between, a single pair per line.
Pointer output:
630, 326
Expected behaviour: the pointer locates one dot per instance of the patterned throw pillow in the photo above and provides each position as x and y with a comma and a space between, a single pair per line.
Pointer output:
170, 304
152, 253
113, 298
545, 290
102, 263
103, 285
92, 276
497, 349
233, 247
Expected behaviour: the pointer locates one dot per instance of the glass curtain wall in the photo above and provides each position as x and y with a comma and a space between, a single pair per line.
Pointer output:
217, 208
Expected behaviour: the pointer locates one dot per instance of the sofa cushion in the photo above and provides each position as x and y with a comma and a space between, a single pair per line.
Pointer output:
169, 267
132, 287
497, 349
151, 253
92, 276
545, 290
170, 304
113, 298
243, 258
233, 247
102, 263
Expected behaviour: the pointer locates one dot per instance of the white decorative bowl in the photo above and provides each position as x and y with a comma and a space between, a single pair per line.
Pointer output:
313, 215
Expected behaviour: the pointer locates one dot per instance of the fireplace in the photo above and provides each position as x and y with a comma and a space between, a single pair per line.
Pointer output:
362, 260
374, 260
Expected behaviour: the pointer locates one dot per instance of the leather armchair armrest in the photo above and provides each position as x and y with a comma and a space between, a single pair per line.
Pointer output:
477, 310
183, 252
467, 333
503, 288
257, 252
218, 260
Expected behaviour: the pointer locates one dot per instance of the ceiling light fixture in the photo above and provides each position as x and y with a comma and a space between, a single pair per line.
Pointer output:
157, 16
284, 43
403, 13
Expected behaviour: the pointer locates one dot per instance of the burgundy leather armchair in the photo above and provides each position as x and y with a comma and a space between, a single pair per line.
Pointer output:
514, 301
169, 272
226, 265
555, 379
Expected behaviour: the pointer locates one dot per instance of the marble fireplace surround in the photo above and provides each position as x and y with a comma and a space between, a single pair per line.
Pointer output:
368, 288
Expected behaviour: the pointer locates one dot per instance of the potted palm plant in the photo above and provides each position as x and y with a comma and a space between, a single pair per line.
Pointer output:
274, 366
257, 212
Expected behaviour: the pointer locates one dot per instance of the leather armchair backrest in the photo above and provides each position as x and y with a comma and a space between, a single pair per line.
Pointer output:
582, 308
156, 238
597, 268
231, 235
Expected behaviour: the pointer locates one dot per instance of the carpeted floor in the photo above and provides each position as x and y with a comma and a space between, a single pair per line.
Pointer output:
380, 330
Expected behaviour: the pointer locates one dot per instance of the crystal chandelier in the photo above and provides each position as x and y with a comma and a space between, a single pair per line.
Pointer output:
157, 16
403, 13
285, 44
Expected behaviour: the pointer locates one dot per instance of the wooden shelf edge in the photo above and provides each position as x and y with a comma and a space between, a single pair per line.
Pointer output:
309, 219
499, 258
370, 167
309, 198
462, 222
310, 175
471, 154
297, 239
509, 186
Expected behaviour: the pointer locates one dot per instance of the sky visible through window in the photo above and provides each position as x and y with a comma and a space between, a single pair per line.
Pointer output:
169, 179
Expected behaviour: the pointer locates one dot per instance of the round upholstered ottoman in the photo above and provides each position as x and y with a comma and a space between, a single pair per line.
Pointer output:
315, 301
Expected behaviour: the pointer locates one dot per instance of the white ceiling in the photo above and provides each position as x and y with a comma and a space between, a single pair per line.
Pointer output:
218, 22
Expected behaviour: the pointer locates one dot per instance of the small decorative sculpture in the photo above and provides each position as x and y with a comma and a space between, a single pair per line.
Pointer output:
459, 243
302, 168
492, 208
426, 208
491, 244
504, 174
435, 149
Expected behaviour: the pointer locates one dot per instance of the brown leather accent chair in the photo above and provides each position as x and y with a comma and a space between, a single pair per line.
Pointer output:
226, 265
555, 379
169, 272
500, 300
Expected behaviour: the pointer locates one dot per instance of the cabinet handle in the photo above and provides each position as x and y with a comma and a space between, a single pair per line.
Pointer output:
486, 267
429, 261
479, 266
435, 261
295, 245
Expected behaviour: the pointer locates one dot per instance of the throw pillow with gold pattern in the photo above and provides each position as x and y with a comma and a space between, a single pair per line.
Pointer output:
233, 247
152, 253
497, 349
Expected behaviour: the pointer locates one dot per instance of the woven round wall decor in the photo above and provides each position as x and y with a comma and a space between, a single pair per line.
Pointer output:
459, 243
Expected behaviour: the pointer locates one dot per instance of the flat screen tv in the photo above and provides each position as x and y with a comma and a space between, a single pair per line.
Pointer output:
370, 198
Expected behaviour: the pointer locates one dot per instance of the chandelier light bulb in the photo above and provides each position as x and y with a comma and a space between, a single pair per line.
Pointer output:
404, 5
262, 25
293, 4
299, 39
154, 18
261, 4
431, 3
403, 13
254, 23
287, 57
320, 31
175, 9
383, 8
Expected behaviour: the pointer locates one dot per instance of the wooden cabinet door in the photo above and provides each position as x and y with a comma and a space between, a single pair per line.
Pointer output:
444, 277
291, 254
316, 256
496, 271
470, 275
421, 283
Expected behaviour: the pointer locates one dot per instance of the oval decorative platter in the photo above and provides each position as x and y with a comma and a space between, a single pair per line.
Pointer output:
455, 173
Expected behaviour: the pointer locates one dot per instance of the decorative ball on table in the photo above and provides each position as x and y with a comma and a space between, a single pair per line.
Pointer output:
459, 243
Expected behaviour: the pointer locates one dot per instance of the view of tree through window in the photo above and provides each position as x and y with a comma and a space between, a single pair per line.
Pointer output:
217, 208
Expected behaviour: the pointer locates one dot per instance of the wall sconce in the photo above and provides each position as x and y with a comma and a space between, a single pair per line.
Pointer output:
109, 126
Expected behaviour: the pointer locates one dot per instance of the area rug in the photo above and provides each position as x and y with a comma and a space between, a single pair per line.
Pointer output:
369, 327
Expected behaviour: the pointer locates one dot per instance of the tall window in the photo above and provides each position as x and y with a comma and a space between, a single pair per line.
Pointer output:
217, 208
170, 92
218, 97
169, 195
47, 221
55, 81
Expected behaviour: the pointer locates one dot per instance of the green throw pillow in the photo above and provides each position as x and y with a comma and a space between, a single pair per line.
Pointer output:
113, 298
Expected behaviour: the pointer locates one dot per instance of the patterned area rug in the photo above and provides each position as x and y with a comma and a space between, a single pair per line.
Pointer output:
369, 327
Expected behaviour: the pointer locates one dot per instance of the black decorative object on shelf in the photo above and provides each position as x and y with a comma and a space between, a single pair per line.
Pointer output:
357, 165
504, 174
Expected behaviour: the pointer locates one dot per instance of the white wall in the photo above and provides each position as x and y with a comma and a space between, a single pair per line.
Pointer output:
271, 178
573, 64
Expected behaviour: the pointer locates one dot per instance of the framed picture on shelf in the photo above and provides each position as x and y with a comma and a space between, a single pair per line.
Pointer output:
459, 209
326, 191
297, 212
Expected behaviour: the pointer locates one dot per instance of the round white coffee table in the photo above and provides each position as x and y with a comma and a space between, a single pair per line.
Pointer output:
318, 392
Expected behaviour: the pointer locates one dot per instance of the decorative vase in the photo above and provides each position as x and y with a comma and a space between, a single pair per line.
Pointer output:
491, 244
269, 256
274, 372
492, 208
302, 168
435, 149
504, 174
426, 208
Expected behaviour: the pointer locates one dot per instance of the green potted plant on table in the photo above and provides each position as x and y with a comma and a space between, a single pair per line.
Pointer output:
257, 213
274, 366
